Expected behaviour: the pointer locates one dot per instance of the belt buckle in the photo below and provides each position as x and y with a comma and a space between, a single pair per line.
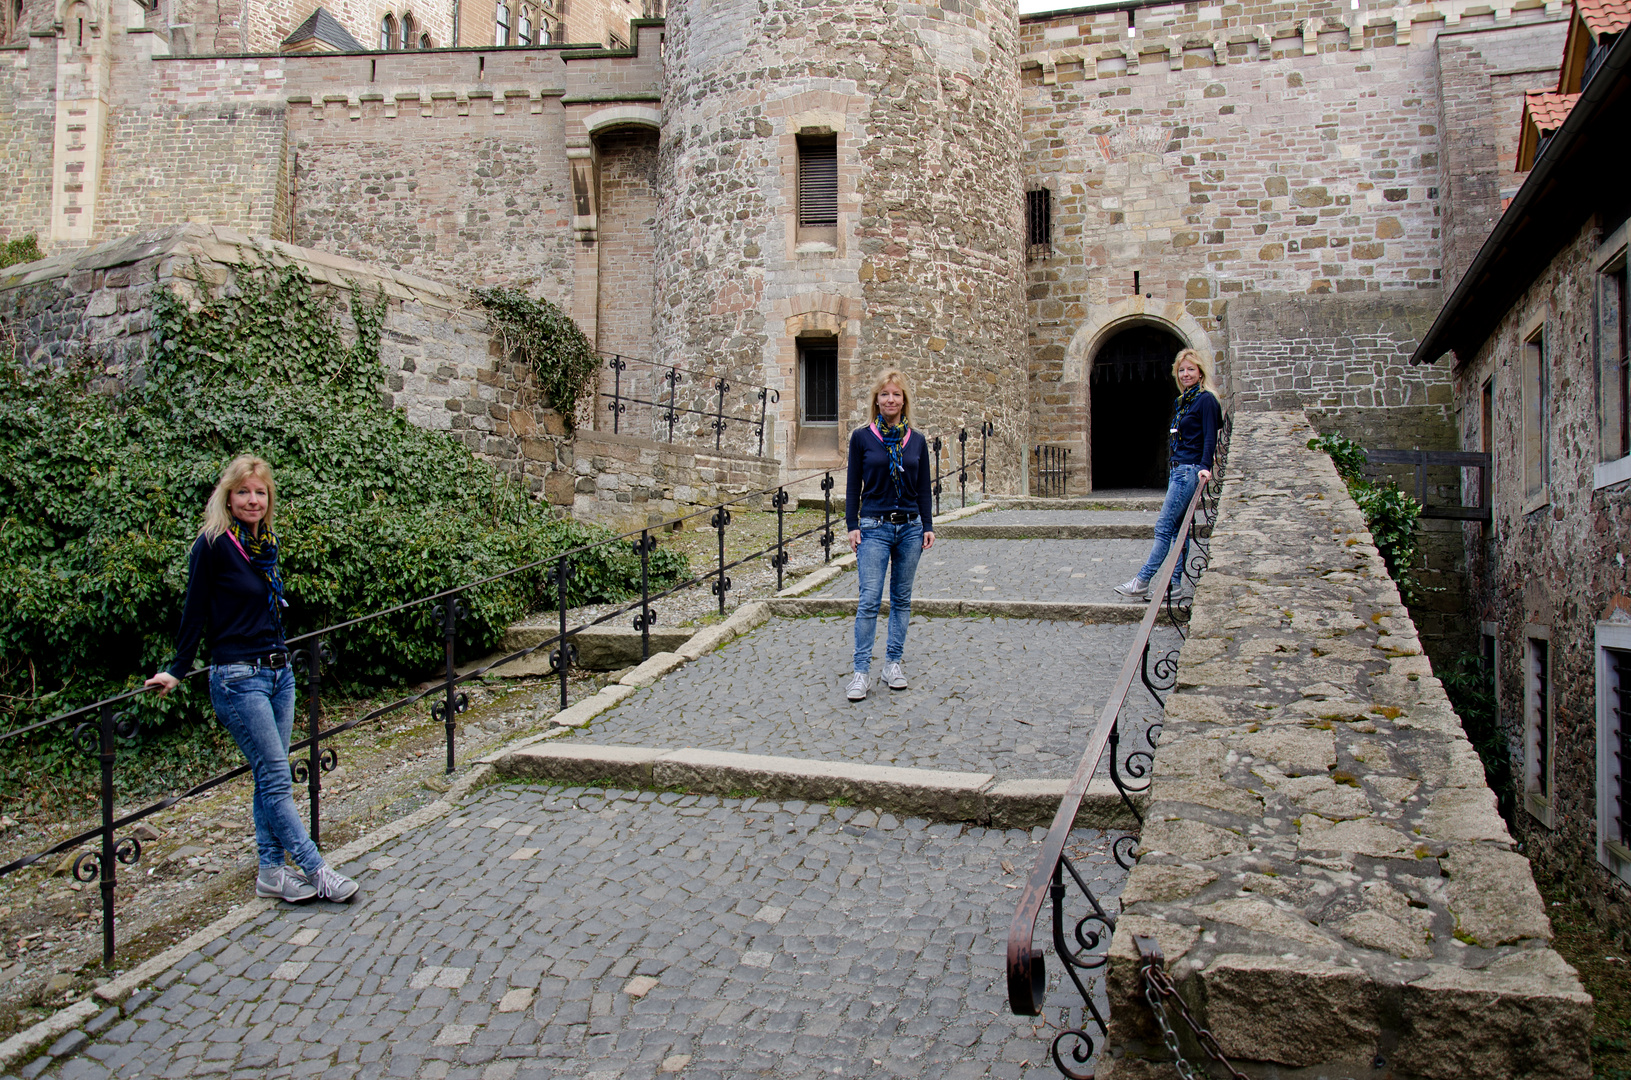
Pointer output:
276, 661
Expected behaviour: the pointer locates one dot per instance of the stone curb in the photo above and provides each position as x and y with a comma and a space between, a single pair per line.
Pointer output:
59, 1023
1117, 502
794, 607
1048, 532
929, 793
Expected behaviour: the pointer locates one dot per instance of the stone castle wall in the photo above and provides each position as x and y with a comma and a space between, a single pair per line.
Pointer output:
1553, 566
1243, 150
28, 116
923, 272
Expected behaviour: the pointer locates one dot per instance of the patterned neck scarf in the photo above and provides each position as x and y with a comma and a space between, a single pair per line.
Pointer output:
893, 438
261, 549
1182, 405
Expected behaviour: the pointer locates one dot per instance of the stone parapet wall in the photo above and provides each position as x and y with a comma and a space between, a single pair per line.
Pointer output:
1321, 860
628, 482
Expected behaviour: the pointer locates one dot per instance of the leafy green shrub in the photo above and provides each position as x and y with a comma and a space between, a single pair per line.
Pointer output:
21, 250
1390, 514
102, 493
562, 360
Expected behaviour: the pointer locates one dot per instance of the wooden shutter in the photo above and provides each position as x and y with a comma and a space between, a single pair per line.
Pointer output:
818, 183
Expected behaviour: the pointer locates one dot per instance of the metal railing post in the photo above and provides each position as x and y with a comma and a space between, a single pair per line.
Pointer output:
453, 703
936, 448
564, 653
719, 415
721, 518
105, 747
642, 621
780, 559
618, 365
826, 535
962, 468
766, 397
987, 429
314, 728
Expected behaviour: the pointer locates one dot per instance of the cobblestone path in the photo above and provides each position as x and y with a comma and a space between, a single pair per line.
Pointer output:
610, 935
1053, 570
988, 695
602, 934
1066, 517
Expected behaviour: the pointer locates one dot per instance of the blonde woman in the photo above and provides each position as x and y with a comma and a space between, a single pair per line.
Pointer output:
887, 511
234, 606
1192, 438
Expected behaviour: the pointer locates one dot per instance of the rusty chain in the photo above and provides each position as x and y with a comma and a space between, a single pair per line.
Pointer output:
1158, 986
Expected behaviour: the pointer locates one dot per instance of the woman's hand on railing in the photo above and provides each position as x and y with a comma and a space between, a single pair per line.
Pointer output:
165, 681
1204, 475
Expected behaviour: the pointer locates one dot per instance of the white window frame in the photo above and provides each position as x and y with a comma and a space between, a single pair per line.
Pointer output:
1613, 850
501, 21
1610, 258
1538, 801
1538, 412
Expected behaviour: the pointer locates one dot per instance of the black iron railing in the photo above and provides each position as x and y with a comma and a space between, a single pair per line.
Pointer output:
1052, 470
716, 404
938, 448
1082, 941
99, 727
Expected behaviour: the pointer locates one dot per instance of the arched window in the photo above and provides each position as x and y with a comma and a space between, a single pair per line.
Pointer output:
424, 41
523, 34
502, 31
545, 36
410, 31
387, 32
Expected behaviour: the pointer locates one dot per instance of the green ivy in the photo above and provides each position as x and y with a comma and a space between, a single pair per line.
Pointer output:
562, 360
1390, 514
1471, 689
101, 496
21, 250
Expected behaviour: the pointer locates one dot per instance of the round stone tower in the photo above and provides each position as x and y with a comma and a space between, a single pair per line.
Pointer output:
841, 194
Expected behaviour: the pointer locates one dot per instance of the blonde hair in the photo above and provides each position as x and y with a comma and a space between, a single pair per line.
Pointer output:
883, 380
1199, 361
218, 511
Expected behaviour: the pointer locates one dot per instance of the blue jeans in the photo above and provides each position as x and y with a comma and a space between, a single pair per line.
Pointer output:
256, 706
1181, 485
883, 544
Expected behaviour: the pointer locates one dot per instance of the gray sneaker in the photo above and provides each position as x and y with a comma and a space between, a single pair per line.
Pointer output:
332, 885
279, 883
894, 676
859, 684
1138, 590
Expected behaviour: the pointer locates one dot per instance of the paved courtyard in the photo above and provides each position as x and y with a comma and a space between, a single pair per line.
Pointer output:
1073, 571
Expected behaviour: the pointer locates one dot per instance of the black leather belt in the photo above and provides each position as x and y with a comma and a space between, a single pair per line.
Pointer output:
897, 517
274, 661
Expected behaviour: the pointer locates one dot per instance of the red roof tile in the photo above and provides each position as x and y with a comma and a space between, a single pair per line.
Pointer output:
1546, 109
1605, 16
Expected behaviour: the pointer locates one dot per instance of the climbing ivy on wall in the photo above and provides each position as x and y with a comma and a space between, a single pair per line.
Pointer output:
102, 492
1390, 514
562, 360
21, 250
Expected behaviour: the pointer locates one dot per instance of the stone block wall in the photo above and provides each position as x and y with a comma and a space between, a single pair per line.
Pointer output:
628, 482
1321, 860
28, 116
1554, 565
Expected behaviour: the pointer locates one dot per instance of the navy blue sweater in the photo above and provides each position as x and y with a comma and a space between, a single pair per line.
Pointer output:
226, 608
870, 491
1198, 432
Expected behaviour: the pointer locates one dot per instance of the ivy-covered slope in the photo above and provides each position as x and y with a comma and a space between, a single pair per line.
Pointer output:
101, 496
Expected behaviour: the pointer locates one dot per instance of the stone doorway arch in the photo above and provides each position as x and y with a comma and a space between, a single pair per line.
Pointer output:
1130, 390
1104, 323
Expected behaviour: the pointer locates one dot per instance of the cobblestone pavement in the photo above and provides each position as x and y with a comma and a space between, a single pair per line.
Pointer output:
553, 932
1062, 517
1056, 570
1014, 697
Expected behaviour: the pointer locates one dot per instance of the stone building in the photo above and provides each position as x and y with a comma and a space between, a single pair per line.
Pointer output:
1535, 337
1028, 215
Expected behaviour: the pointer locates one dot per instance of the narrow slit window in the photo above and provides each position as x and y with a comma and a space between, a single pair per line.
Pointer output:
1619, 749
1614, 365
818, 182
1536, 416
819, 363
1039, 222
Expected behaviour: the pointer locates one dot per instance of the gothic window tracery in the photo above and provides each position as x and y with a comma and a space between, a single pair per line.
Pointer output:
387, 32
524, 28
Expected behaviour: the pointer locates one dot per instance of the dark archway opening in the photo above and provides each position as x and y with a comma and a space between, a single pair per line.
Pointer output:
1132, 390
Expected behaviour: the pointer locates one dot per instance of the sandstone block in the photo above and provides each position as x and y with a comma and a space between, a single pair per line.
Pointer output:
1493, 896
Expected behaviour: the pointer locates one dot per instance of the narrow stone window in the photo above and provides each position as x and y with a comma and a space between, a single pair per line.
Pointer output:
1039, 223
818, 189
1614, 365
818, 367
1536, 420
1486, 438
501, 32
387, 32
424, 41
523, 34
1538, 749
1614, 748
410, 31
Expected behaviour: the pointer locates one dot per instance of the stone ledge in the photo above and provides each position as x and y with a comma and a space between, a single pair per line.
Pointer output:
1322, 862
1044, 532
928, 793
797, 607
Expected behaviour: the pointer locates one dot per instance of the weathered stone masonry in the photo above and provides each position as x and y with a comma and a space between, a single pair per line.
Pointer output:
1322, 862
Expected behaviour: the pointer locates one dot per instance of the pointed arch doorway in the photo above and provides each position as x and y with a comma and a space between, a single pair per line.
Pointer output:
1131, 391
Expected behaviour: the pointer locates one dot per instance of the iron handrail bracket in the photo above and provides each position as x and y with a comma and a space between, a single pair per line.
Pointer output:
1027, 975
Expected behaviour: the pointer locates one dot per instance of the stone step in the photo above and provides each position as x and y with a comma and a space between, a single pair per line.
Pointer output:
1085, 502
974, 530
934, 794
1129, 612
600, 648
